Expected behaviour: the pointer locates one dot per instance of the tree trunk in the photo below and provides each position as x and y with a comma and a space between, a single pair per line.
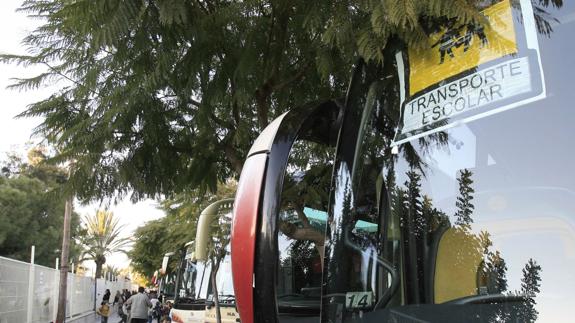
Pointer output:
232, 156
262, 104
61, 315
99, 266
215, 291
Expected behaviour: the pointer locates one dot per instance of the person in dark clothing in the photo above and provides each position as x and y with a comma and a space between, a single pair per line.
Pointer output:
117, 297
106, 297
127, 294
121, 309
104, 312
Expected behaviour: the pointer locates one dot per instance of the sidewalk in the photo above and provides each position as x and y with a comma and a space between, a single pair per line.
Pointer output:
113, 318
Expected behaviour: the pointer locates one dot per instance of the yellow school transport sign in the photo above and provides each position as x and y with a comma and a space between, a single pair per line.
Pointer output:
470, 71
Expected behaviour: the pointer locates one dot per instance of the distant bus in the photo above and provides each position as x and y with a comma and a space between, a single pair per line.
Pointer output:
194, 301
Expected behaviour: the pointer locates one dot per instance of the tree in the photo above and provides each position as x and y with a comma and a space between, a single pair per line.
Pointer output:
102, 238
414, 205
499, 269
530, 287
172, 232
304, 186
162, 96
218, 248
152, 242
464, 203
111, 272
32, 209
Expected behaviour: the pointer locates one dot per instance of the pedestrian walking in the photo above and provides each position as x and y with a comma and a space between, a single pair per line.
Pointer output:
127, 295
126, 308
117, 297
106, 297
153, 313
122, 313
139, 305
166, 309
115, 306
104, 312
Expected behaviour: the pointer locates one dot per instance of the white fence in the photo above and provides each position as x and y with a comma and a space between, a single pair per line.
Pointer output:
29, 293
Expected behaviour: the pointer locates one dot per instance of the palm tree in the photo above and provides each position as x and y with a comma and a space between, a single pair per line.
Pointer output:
102, 238
111, 272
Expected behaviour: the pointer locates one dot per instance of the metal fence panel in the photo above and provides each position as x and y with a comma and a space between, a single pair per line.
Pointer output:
13, 290
44, 297
83, 295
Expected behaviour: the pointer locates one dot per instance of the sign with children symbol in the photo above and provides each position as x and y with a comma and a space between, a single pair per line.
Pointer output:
470, 71
452, 39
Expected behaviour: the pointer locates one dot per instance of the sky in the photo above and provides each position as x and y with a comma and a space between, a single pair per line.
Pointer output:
15, 134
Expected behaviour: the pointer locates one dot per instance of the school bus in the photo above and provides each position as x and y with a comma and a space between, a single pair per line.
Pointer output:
439, 190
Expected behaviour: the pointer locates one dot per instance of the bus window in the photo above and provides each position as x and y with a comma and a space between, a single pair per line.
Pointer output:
219, 254
369, 242
168, 285
193, 281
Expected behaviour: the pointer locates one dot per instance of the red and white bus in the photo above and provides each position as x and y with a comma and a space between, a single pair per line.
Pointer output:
439, 190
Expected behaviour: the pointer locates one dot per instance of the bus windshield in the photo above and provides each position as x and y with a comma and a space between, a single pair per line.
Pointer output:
459, 214
225, 286
168, 285
219, 258
193, 278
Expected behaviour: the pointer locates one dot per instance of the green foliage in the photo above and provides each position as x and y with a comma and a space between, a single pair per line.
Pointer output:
414, 204
102, 238
171, 233
530, 288
32, 210
464, 201
308, 187
150, 245
164, 96
111, 271
220, 240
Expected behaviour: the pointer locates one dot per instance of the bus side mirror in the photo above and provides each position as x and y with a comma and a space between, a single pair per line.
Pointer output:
204, 229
